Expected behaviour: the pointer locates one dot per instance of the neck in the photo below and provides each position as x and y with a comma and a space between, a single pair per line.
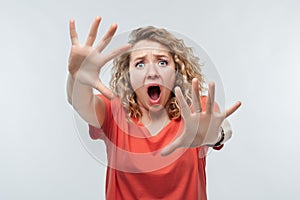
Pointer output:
153, 115
155, 119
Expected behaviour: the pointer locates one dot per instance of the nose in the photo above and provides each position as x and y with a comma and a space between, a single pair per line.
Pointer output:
152, 72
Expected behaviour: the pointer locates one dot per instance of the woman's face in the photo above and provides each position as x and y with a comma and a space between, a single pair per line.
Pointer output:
152, 74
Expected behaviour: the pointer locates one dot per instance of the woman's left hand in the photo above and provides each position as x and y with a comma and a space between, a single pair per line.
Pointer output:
200, 128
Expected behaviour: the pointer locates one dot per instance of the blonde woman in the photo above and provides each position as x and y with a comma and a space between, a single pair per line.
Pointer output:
153, 119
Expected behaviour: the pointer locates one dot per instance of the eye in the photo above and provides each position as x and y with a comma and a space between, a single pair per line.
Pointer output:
139, 65
163, 63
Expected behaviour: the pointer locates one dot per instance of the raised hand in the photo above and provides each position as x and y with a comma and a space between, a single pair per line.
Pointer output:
200, 128
86, 61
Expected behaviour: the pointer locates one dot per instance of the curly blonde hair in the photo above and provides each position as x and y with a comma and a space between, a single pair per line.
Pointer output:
186, 63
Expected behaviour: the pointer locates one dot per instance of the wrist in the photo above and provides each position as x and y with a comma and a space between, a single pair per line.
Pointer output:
220, 140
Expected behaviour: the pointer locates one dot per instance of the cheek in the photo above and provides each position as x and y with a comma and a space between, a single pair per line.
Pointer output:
169, 77
136, 79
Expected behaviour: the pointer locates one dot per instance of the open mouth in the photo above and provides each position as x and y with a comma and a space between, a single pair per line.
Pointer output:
154, 92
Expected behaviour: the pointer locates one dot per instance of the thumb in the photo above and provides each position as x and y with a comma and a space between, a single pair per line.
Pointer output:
170, 148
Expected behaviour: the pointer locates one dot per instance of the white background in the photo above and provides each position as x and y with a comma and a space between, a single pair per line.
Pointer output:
255, 46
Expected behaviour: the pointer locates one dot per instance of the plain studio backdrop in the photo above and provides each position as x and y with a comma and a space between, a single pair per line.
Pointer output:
255, 46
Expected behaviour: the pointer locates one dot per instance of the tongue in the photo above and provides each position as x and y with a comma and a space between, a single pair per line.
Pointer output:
154, 93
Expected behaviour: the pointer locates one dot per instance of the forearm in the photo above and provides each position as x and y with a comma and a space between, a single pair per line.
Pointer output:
83, 100
69, 88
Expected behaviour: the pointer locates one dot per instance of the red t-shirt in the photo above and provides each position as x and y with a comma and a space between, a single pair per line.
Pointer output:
135, 168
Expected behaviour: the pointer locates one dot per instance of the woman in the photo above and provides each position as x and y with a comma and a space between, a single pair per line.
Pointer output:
154, 120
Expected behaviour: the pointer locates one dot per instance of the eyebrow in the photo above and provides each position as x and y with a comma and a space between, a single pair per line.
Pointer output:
139, 57
157, 55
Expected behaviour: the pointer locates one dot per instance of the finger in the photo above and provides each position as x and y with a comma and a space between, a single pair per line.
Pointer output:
210, 98
107, 37
73, 33
196, 96
232, 109
93, 32
117, 52
170, 148
184, 107
104, 90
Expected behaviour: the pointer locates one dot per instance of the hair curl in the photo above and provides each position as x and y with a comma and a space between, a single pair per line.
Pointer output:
186, 63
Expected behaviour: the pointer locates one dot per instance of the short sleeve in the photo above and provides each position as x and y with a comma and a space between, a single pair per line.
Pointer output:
95, 133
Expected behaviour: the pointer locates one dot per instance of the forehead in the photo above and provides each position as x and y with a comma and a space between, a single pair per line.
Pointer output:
145, 46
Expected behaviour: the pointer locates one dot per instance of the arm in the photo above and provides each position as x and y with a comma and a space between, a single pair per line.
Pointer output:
82, 98
85, 63
90, 107
70, 84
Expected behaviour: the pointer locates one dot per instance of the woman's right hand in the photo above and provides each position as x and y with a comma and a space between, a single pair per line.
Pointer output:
86, 61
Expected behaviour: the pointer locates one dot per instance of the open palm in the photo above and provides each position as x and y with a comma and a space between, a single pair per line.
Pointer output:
200, 127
